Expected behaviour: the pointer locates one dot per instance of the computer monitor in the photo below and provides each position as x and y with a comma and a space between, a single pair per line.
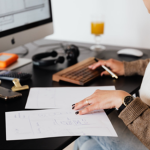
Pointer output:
24, 21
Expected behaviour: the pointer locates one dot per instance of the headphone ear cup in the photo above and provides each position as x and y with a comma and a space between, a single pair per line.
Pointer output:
76, 51
72, 52
37, 59
60, 59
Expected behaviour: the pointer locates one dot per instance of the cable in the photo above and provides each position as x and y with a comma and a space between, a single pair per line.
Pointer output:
63, 47
84, 48
46, 45
25, 53
53, 49
60, 45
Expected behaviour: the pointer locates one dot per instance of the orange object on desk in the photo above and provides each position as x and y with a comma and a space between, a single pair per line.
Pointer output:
7, 59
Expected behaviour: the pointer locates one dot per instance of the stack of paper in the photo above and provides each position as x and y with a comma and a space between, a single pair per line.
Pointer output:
57, 122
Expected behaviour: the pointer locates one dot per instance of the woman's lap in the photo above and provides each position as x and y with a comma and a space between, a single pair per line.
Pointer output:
125, 140
96, 143
102, 143
86, 143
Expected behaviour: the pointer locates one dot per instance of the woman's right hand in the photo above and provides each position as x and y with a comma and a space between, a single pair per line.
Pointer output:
115, 66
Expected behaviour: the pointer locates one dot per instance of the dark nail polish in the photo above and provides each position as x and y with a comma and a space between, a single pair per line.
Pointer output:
73, 107
77, 112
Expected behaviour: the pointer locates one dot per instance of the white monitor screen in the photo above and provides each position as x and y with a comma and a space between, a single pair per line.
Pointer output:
24, 14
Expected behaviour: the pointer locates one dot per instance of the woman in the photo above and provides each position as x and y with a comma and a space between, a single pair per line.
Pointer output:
135, 115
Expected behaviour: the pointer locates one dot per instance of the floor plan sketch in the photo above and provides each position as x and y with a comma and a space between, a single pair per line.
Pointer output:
56, 123
14, 13
57, 97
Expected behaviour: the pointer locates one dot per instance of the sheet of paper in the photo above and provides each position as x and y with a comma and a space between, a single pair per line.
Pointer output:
55, 123
41, 98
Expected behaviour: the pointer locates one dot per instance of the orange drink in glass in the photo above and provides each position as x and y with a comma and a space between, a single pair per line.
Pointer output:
97, 28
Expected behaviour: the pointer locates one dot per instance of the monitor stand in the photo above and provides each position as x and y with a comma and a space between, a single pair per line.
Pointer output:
21, 61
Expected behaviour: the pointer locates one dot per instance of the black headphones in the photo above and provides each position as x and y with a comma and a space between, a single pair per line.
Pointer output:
71, 51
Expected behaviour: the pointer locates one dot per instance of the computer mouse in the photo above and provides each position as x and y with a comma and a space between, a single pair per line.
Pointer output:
130, 52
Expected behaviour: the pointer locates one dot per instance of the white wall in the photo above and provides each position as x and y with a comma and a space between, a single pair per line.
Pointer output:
127, 21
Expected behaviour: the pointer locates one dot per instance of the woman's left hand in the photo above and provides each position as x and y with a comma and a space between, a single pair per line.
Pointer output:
100, 99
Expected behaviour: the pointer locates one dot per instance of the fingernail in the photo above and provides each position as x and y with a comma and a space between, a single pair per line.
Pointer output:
73, 107
77, 112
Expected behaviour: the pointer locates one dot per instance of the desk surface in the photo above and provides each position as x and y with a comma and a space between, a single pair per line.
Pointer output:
42, 77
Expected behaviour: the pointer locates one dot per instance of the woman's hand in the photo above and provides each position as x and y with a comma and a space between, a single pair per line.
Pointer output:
116, 66
100, 99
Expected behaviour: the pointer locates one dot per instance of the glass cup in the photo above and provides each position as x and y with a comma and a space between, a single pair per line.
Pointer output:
97, 28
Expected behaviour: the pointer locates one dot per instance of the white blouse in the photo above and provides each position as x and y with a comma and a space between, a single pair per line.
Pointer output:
145, 86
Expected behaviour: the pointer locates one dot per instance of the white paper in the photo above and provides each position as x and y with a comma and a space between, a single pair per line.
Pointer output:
55, 123
41, 98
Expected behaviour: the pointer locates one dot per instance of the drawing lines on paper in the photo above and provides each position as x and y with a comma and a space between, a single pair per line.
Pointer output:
59, 97
31, 124
62, 126
50, 124
18, 119
54, 123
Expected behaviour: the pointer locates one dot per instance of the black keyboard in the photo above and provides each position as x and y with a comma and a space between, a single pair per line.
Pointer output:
10, 75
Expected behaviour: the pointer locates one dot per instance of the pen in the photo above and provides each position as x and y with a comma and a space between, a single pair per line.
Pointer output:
109, 71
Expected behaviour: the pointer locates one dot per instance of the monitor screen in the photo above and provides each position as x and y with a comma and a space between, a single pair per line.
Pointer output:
19, 15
